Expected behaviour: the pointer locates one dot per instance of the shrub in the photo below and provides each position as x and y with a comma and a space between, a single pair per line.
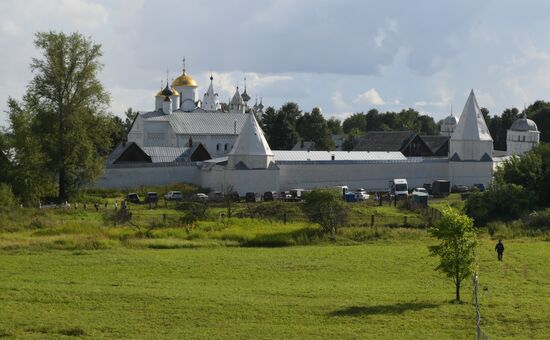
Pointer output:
538, 219
504, 202
193, 211
326, 207
7, 199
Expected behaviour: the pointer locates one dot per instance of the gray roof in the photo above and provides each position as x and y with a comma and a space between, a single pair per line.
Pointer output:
471, 125
435, 142
384, 140
288, 155
306, 146
165, 154
200, 123
524, 124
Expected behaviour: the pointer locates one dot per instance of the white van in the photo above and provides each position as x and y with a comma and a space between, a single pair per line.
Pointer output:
399, 187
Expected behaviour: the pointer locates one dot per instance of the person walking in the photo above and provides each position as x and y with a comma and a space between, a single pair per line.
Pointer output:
499, 248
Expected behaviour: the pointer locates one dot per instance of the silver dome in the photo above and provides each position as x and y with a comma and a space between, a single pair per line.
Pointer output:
450, 120
524, 124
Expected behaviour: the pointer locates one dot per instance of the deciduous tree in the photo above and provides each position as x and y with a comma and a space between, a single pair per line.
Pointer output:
457, 250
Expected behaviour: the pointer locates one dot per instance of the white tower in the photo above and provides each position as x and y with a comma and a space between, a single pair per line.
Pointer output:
449, 125
251, 148
471, 140
167, 105
522, 136
236, 105
210, 100
187, 88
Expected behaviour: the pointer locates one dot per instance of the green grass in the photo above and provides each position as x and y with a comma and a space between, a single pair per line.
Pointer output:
377, 290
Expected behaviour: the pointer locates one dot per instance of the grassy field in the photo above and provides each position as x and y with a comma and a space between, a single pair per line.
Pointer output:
376, 290
68, 272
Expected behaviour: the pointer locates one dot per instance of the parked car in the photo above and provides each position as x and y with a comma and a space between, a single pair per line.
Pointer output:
234, 196
441, 188
200, 197
428, 187
270, 195
151, 197
459, 188
422, 190
174, 196
285, 196
480, 186
216, 196
252, 197
362, 195
133, 198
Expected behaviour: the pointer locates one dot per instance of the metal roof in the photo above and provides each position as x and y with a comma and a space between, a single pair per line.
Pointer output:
471, 125
164, 154
200, 123
284, 155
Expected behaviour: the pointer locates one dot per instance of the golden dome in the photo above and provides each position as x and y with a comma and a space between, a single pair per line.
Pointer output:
159, 94
184, 80
176, 93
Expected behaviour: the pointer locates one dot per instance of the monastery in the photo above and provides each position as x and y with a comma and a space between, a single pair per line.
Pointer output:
186, 139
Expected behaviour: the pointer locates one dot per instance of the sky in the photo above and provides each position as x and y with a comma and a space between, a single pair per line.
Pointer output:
342, 56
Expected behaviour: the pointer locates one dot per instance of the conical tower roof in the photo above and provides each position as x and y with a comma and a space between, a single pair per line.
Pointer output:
471, 125
251, 140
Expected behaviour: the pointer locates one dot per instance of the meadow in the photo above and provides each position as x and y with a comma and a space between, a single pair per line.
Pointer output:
68, 273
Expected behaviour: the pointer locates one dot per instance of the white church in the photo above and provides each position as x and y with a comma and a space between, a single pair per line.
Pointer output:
187, 140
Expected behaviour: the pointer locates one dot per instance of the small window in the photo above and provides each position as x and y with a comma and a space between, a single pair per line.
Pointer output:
225, 147
218, 147
524, 138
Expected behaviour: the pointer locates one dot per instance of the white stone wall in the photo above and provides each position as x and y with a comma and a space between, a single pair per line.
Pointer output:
217, 145
242, 181
136, 134
135, 177
158, 134
519, 142
471, 150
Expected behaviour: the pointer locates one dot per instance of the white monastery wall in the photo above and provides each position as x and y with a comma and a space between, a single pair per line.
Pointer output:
242, 181
137, 176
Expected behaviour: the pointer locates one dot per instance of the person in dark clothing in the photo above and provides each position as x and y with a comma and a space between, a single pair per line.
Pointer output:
499, 249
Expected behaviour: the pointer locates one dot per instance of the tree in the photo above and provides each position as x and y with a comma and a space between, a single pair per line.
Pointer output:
65, 110
314, 127
457, 250
355, 121
283, 134
326, 207
129, 119
539, 112
531, 171
335, 126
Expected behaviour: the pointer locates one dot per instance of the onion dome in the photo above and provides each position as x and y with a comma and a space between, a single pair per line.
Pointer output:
175, 92
524, 124
245, 96
184, 80
237, 98
167, 91
450, 120
261, 105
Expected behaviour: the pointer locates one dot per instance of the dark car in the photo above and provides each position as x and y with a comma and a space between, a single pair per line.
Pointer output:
234, 196
459, 188
151, 197
481, 187
270, 195
252, 197
133, 198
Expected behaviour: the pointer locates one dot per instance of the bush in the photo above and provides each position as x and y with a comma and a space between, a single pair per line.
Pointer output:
326, 207
504, 202
193, 211
7, 199
538, 220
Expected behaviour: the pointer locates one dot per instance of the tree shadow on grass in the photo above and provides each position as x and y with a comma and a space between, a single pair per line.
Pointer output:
398, 308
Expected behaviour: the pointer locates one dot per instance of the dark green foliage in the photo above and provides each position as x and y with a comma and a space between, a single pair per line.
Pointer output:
326, 207
539, 112
281, 130
538, 220
313, 127
192, 211
118, 217
503, 202
356, 121
7, 199
531, 171
60, 131
335, 126
457, 248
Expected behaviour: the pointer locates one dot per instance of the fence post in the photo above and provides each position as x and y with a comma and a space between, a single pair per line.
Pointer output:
372, 220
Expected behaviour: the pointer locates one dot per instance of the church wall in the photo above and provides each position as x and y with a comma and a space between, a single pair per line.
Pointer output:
471, 150
470, 173
136, 176
136, 134
157, 134
210, 142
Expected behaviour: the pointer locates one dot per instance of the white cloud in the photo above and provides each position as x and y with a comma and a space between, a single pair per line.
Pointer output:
370, 96
338, 101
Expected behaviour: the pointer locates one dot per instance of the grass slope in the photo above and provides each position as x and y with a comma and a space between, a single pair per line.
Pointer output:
378, 290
